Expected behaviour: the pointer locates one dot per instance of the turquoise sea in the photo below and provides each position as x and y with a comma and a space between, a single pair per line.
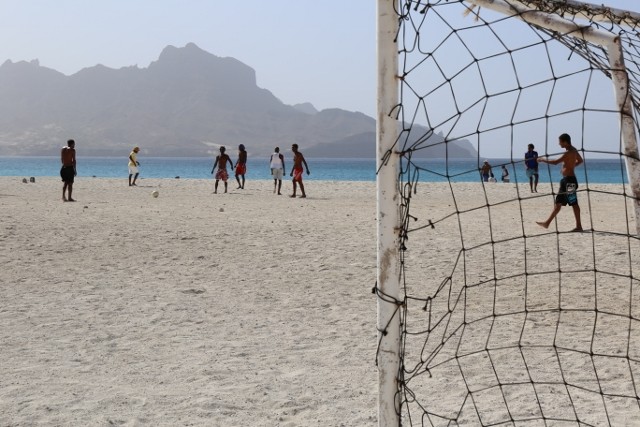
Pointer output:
605, 171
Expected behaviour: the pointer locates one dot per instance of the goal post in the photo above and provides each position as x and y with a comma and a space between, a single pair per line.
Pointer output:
495, 318
627, 122
388, 217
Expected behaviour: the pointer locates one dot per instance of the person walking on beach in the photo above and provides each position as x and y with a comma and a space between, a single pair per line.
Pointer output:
133, 166
486, 171
68, 170
276, 163
531, 163
568, 184
505, 174
241, 166
296, 171
221, 173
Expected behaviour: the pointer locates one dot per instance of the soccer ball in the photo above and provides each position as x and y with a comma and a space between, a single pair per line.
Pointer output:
155, 193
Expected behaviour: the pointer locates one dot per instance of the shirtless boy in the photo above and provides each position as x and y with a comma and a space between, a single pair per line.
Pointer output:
221, 173
569, 184
68, 170
296, 172
241, 166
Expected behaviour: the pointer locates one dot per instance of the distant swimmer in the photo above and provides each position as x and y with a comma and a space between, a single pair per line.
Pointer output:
68, 170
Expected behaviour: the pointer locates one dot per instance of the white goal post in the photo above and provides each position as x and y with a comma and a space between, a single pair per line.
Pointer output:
388, 284
388, 216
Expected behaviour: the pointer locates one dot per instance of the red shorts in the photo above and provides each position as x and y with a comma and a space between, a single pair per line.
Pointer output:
297, 174
222, 174
241, 169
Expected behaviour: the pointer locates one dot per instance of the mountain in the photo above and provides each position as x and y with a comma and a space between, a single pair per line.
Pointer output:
306, 107
187, 103
363, 145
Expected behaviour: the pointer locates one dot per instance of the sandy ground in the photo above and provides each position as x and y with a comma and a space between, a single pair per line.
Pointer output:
236, 309
239, 309
516, 325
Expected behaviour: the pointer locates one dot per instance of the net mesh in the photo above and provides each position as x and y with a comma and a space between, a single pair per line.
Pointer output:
505, 322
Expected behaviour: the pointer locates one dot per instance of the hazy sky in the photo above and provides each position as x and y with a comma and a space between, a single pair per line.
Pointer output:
320, 51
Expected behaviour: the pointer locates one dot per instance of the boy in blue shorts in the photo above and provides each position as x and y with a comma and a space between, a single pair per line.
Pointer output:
531, 162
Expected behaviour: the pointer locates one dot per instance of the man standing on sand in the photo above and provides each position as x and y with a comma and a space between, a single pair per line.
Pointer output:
531, 163
221, 173
296, 172
133, 166
68, 170
276, 163
241, 166
569, 184
486, 171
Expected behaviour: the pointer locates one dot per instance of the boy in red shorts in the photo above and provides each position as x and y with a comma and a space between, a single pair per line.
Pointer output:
241, 166
296, 172
221, 173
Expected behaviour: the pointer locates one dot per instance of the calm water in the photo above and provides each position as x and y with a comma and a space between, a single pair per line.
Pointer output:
595, 171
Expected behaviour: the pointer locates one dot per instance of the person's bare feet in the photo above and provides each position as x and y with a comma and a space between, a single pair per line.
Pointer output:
71, 200
542, 224
304, 196
577, 229
293, 195
64, 199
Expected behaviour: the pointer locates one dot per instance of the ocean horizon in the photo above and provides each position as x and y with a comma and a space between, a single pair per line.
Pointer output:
600, 171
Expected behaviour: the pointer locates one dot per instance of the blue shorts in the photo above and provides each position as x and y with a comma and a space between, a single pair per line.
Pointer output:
531, 172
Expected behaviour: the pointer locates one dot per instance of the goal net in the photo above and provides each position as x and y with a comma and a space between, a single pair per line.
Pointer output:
503, 321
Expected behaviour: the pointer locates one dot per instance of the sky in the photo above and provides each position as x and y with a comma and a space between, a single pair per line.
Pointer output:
318, 51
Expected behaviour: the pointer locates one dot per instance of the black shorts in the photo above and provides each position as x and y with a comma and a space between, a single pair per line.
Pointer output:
568, 191
67, 174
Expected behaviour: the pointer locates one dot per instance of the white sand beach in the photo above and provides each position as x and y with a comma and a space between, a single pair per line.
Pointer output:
239, 309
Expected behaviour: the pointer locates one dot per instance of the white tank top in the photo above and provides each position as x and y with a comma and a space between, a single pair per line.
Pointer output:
276, 161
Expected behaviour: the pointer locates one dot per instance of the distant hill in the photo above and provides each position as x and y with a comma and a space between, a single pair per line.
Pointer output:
364, 145
187, 103
306, 107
